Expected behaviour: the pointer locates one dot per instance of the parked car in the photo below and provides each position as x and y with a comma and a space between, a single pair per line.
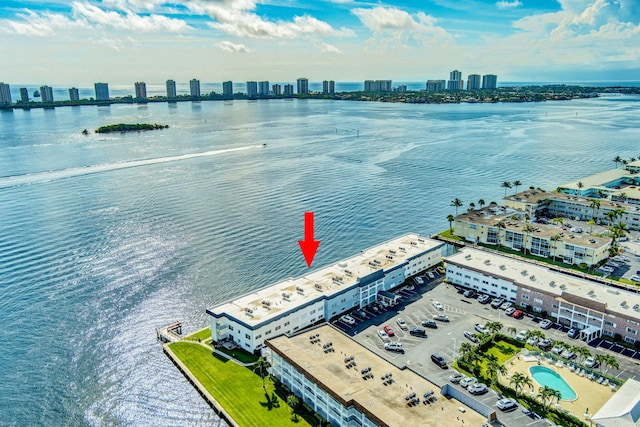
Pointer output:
506, 405
497, 302
484, 299
360, 314
468, 335
506, 305
439, 360
478, 388
545, 344
509, 311
430, 275
481, 329
440, 270
348, 319
635, 278
546, 324
389, 331
532, 341
518, 314
419, 280
383, 336
394, 346
568, 354
456, 377
591, 362
441, 318
522, 335
573, 332
437, 305
418, 332
607, 269
430, 324
402, 324
557, 349
469, 293
468, 381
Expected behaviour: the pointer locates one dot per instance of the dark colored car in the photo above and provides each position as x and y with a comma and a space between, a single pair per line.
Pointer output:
359, 314
470, 293
430, 324
418, 332
439, 360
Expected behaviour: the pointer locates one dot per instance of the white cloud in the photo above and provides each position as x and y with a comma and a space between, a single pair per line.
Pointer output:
504, 4
235, 17
88, 16
232, 47
328, 48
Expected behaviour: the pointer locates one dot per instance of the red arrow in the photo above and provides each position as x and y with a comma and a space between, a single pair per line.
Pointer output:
308, 245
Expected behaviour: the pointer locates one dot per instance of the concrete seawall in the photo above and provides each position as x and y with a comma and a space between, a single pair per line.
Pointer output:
211, 401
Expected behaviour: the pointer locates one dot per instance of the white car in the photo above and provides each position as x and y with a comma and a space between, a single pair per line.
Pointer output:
478, 388
546, 324
394, 346
522, 335
509, 311
383, 336
607, 269
402, 324
506, 404
635, 278
348, 319
466, 382
437, 305
419, 280
482, 329
532, 341
591, 362
557, 349
568, 354
506, 305
431, 275
455, 378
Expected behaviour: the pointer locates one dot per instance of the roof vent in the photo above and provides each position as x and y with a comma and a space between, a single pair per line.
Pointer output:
299, 290
468, 256
286, 295
248, 310
318, 286
524, 272
552, 284
623, 304
266, 304
503, 267
533, 278
487, 262
563, 286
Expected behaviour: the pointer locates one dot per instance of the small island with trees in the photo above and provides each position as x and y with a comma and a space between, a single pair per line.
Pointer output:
130, 127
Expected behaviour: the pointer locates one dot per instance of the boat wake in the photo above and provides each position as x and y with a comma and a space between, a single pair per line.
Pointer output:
48, 176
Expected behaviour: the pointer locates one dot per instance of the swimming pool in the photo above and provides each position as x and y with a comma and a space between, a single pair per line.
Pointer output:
545, 376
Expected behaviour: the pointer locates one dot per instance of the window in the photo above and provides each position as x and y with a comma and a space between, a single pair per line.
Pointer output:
537, 300
525, 297
258, 336
606, 322
247, 336
632, 331
230, 328
267, 332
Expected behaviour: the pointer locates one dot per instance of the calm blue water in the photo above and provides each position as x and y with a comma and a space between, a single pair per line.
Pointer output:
547, 377
105, 238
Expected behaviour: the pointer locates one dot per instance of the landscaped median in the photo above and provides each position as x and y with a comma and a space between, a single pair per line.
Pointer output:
237, 390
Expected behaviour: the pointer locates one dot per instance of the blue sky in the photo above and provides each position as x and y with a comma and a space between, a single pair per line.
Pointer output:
120, 41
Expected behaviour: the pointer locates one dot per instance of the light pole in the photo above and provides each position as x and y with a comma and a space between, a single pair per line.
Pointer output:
454, 348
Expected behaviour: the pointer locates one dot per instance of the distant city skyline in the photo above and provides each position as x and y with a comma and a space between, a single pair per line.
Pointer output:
341, 40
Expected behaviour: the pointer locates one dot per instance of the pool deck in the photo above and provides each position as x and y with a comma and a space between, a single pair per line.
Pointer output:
591, 395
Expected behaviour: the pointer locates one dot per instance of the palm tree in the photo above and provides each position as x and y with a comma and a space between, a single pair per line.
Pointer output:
617, 160
472, 206
546, 394
465, 348
618, 230
555, 238
600, 359
554, 394
611, 362
501, 226
591, 223
494, 327
581, 352
595, 204
516, 184
534, 333
456, 203
293, 402
528, 229
611, 217
481, 203
580, 185
261, 367
451, 218
511, 330
557, 220
519, 381
505, 185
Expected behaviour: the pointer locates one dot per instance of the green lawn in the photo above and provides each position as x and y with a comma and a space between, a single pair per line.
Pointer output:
502, 350
203, 335
240, 354
237, 389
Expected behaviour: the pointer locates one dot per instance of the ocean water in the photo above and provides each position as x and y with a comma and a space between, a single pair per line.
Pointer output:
106, 237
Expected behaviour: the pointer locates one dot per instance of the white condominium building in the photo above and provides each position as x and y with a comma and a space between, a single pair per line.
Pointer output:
323, 294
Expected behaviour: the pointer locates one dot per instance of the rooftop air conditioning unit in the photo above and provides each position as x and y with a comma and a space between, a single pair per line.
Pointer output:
318, 286
266, 302
487, 262
286, 295
532, 278
503, 267
468, 256
563, 286
414, 243
392, 252
299, 290
524, 272
248, 310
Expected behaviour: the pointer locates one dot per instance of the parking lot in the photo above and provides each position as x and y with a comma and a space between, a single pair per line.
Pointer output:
417, 304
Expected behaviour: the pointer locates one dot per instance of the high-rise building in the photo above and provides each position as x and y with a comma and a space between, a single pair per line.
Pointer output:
263, 88
288, 90
102, 91
400, 89
171, 89
74, 95
24, 95
473, 82
194, 88
455, 81
227, 88
5, 94
377, 86
303, 86
141, 90
252, 89
328, 87
436, 85
46, 93
489, 81
277, 89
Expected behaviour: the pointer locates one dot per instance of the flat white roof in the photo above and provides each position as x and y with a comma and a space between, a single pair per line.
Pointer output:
596, 180
288, 295
623, 409
538, 276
